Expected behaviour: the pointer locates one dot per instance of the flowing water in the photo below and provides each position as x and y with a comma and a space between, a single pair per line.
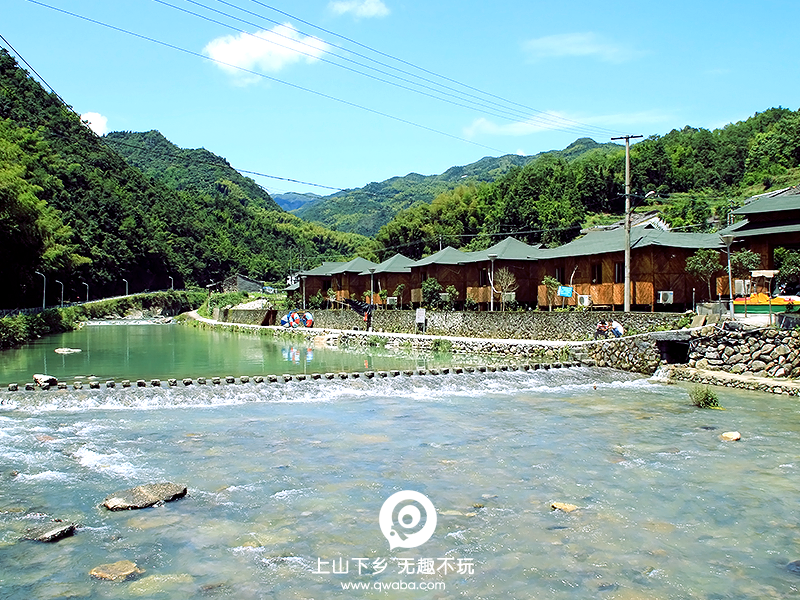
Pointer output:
286, 483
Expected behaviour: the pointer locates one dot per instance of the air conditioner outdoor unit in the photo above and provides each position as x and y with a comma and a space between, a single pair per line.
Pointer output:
508, 296
665, 297
584, 300
742, 287
391, 301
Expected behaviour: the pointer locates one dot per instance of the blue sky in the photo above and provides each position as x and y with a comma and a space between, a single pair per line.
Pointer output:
517, 77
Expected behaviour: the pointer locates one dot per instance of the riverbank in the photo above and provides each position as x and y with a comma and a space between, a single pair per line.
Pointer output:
642, 353
22, 328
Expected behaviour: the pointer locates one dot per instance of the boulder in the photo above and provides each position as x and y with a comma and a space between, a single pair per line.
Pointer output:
563, 506
118, 571
730, 436
50, 532
144, 495
794, 566
42, 380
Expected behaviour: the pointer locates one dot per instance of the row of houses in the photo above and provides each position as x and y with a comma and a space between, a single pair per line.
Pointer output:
592, 265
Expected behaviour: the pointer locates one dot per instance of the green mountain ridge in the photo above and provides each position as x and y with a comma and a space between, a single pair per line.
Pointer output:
183, 169
365, 210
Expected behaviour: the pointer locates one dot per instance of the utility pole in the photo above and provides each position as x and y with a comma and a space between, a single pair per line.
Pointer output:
627, 297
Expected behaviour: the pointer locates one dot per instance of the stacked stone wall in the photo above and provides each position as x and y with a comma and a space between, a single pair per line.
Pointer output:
534, 325
636, 353
760, 352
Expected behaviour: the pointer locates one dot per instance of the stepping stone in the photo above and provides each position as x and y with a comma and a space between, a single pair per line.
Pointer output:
144, 496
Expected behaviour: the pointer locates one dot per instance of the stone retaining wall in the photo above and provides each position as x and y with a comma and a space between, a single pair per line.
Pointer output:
638, 353
245, 316
761, 352
564, 326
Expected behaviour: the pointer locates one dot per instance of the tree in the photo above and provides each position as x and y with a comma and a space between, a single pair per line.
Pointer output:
703, 264
552, 284
431, 288
505, 282
788, 264
742, 262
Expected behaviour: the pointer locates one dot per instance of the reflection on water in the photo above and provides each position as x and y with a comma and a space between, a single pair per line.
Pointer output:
287, 479
174, 351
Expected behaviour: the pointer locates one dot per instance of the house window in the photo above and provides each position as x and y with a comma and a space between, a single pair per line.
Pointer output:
619, 272
560, 274
484, 277
597, 273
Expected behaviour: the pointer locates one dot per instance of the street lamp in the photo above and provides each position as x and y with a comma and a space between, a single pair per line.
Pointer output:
728, 240
62, 293
491, 283
171, 282
44, 289
627, 296
87, 290
126, 285
371, 280
303, 279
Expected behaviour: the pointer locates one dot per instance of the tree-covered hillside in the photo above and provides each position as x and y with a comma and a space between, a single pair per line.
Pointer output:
74, 210
366, 210
183, 169
699, 175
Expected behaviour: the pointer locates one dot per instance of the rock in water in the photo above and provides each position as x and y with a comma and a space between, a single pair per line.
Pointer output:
51, 532
41, 380
794, 566
731, 436
563, 506
118, 571
144, 495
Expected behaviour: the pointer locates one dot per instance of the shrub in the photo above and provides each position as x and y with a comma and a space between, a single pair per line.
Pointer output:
439, 345
703, 397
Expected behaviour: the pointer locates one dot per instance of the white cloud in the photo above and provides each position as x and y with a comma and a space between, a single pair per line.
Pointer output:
552, 120
97, 122
545, 122
360, 8
575, 44
266, 51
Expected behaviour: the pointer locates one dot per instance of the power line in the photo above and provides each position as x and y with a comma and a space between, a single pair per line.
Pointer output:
549, 116
454, 98
550, 121
264, 76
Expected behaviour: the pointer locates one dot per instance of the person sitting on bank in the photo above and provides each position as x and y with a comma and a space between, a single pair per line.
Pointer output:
602, 330
617, 329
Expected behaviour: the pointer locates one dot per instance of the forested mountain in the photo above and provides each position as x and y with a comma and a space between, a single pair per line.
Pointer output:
72, 209
366, 210
181, 169
293, 200
699, 175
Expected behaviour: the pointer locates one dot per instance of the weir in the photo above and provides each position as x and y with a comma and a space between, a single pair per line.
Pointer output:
287, 377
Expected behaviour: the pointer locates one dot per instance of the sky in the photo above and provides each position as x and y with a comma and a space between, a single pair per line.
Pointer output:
321, 95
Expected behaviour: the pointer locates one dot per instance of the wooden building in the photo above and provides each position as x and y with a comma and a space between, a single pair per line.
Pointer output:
392, 275
344, 278
768, 221
594, 265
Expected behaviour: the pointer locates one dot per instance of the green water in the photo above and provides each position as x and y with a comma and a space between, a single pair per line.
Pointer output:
286, 480
175, 351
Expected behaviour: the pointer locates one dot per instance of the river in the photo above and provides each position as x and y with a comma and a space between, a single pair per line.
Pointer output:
286, 481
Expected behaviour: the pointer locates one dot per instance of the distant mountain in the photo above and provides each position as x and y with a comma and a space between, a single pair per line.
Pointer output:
292, 200
365, 210
184, 169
